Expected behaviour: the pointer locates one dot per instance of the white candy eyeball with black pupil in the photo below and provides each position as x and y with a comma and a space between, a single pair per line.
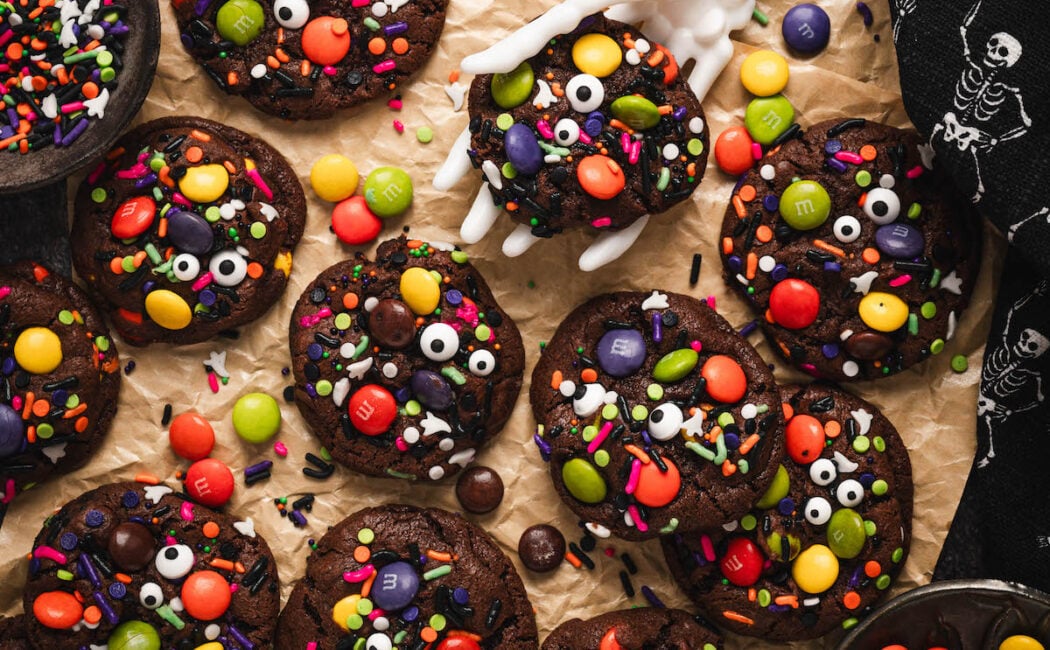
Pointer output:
291, 14
823, 471
378, 641
850, 493
585, 92
151, 596
481, 363
439, 342
665, 422
847, 229
228, 268
588, 399
882, 205
186, 267
818, 511
175, 561
566, 132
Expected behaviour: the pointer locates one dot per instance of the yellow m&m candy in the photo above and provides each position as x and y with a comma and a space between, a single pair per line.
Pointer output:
882, 311
334, 177
168, 309
764, 73
597, 54
38, 350
815, 569
205, 183
420, 290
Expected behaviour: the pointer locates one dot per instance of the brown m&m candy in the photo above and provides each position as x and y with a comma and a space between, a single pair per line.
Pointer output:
131, 546
541, 548
392, 324
479, 490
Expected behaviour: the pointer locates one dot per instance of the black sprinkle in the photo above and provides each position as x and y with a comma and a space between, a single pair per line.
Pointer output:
166, 418
628, 588
694, 270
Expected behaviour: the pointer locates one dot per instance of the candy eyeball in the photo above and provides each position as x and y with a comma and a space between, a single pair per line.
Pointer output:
587, 399
818, 511
228, 268
378, 641
585, 92
151, 596
481, 363
439, 342
186, 267
175, 561
823, 471
665, 421
882, 205
291, 14
850, 493
847, 229
566, 132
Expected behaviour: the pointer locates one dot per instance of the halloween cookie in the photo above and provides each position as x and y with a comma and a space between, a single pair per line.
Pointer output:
128, 563
642, 627
302, 59
59, 377
404, 366
822, 546
595, 131
13, 633
859, 257
400, 576
186, 229
655, 415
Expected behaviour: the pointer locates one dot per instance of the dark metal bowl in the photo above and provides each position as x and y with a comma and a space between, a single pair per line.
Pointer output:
957, 614
38, 168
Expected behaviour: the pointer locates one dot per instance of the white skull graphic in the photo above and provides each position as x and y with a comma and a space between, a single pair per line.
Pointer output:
1002, 51
1031, 344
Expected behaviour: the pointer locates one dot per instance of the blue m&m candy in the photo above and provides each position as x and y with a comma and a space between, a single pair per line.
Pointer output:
806, 28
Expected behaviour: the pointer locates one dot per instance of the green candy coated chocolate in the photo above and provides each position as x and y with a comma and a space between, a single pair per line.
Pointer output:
134, 635
512, 89
778, 489
675, 365
846, 536
388, 191
805, 205
256, 417
767, 117
583, 481
240, 21
636, 112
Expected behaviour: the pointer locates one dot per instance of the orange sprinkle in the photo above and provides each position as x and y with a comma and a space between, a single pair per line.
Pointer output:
162, 227
40, 84
63, 76
31, 434
872, 569
75, 411
27, 410
6, 142
727, 245
362, 554
366, 588
165, 177
789, 599
752, 266
572, 559
453, 76
557, 90
377, 46
92, 615
769, 319
832, 428
350, 300
834, 250
232, 79
230, 167
851, 600
428, 634
617, 124
400, 46
115, 266
304, 68
656, 59
200, 135
589, 375
738, 206
220, 563
789, 411
666, 109
148, 479
747, 193
81, 424
868, 153
255, 270
863, 197
439, 556
238, 567
14, 51
414, 243
752, 594
739, 618
728, 468
638, 453
763, 233
281, 55
556, 379
751, 441
131, 316
870, 255
272, 62
690, 169
280, 35
116, 153
139, 258
122, 578
210, 529
41, 408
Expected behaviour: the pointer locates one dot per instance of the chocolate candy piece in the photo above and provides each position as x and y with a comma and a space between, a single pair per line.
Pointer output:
479, 490
806, 28
621, 352
396, 585
11, 434
190, 233
541, 548
132, 546
392, 324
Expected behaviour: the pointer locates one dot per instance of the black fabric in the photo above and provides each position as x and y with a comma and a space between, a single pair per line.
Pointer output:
972, 77
35, 226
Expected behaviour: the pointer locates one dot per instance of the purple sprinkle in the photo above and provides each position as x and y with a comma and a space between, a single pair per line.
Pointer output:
201, 7
107, 610
832, 267
651, 597
770, 202
68, 541
87, 570
207, 297
239, 637
646, 438
311, 391
258, 468
314, 351
146, 181
298, 517
94, 518
403, 394
779, 273
732, 441
460, 595
786, 506
130, 499
119, 29
544, 446
187, 41
34, 566
739, 183
779, 609
148, 286
8, 366
410, 614
658, 327
680, 113
736, 264
78, 130
593, 127
837, 165
866, 479
396, 28
699, 558
117, 590
59, 397
854, 579
864, 10
829, 350
12, 115
832, 147
748, 329
453, 297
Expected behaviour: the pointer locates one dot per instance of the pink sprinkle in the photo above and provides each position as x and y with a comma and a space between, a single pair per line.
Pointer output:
96, 173
585, 139
900, 280
376, 613
399, 126
636, 517
468, 313
632, 480
312, 645
384, 67
401, 444
810, 369
600, 438
280, 449
625, 142
756, 151
5, 292
609, 551
395, 104
203, 281
9, 488
234, 587
360, 3
4, 38
181, 200
72, 107
849, 157
170, 541
16, 403
49, 553
696, 345
213, 382
545, 129
711, 302
134, 172
915, 171
602, 222
330, 71
636, 152
360, 575
708, 548
257, 180
186, 511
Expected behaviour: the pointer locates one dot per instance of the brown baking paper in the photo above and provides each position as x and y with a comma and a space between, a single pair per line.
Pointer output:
933, 407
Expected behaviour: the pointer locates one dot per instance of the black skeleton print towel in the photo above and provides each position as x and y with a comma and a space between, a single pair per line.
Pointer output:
973, 79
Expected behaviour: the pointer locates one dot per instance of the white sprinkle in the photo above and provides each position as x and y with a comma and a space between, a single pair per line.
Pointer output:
464, 457
456, 92
671, 151
544, 96
610, 397
446, 444
212, 631
155, 492
633, 57
258, 71
811, 602
268, 211
731, 526
346, 350
567, 388
493, 174
850, 368
227, 211
767, 172
389, 370
381, 624
49, 107
436, 472
238, 204
411, 435
643, 46
748, 411
767, 263
844, 336
862, 283
597, 530
246, 528
358, 369
379, 9
552, 159
696, 125
742, 280
656, 300
433, 424
951, 326
340, 391
370, 303
887, 181
864, 419
844, 465
54, 452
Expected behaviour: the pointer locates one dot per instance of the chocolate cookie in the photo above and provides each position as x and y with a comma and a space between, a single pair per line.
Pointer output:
644, 627
301, 59
597, 130
404, 366
186, 229
13, 633
859, 257
655, 415
129, 561
428, 578
59, 377
820, 548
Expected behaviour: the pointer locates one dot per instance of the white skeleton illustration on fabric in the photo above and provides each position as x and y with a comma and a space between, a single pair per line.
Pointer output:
904, 7
1041, 213
981, 101
1007, 373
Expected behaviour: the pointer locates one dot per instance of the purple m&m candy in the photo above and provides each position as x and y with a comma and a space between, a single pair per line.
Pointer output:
523, 149
431, 390
806, 28
189, 232
899, 240
11, 433
621, 352
395, 586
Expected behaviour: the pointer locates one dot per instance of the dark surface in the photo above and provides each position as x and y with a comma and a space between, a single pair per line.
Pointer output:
947, 223
891, 514
253, 614
13, 633
643, 628
478, 566
34, 225
707, 497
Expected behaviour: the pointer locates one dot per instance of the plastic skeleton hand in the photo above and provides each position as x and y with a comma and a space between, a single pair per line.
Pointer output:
696, 30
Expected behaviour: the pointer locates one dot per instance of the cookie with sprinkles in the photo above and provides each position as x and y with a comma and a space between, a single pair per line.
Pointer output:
301, 59
596, 131
655, 415
642, 627
59, 377
137, 566
186, 229
404, 366
405, 577
821, 547
858, 255
13, 633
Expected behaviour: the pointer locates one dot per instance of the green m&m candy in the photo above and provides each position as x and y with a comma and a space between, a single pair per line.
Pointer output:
513, 88
256, 417
583, 481
240, 21
388, 191
805, 205
767, 117
134, 635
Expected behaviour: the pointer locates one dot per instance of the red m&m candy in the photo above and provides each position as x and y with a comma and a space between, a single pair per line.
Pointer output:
805, 439
326, 40
733, 151
191, 436
657, 488
133, 217
742, 563
725, 378
206, 595
794, 303
372, 409
458, 643
209, 482
354, 223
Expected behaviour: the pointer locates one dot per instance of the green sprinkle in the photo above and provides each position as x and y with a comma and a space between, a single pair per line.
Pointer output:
762, 408
505, 121
258, 230
748, 522
937, 346
400, 636
413, 408
65, 317
764, 597
153, 254
453, 375
601, 458
366, 536
482, 333
695, 146
128, 264
323, 387
609, 412
425, 134
62, 574
354, 621
743, 466
861, 444
883, 581
211, 215
725, 419
870, 528
402, 475
880, 487
459, 257
898, 555
44, 430
849, 623
437, 621
73, 401
763, 20
561, 152
364, 607
928, 310
914, 210
670, 527
98, 195
343, 321
362, 345
169, 615
720, 447
700, 450
665, 179
959, 363
437, 572
372, 24
508, 171
913, 324
588, 433
655, 392
639, 413
863, 178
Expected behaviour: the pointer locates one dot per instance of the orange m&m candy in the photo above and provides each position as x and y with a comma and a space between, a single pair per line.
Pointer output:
326, 40
657, 488
725, 378
206, 595
805, 439
733, 151
601, 177
609, 641
57, 610
191, 436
